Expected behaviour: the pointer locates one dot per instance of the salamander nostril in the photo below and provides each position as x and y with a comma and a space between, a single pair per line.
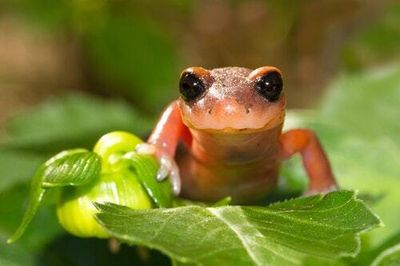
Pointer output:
247, 107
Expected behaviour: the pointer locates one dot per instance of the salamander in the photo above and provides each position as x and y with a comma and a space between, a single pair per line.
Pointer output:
230, 121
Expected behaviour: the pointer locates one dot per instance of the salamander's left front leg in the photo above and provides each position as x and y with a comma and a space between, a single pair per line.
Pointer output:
163, 142
315, 162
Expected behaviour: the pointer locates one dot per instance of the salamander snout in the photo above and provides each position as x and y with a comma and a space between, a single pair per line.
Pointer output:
228, 109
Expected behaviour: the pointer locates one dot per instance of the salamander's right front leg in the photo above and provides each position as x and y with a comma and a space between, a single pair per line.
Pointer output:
315, 161
163, 142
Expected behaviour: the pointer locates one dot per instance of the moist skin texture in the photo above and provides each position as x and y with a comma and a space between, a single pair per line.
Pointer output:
235, 138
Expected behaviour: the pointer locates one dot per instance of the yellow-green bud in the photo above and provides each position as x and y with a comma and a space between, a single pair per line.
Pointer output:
76, 211
113, 145
116, 184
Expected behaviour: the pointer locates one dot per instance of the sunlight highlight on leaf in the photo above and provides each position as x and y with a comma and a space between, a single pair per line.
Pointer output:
285, 233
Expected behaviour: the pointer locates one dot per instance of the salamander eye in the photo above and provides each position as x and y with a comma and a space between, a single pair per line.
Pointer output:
270, 85
190, 87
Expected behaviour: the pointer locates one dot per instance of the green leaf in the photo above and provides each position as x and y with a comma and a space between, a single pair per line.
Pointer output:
146, 168
390, 257
71, 168
283, 234
68, 168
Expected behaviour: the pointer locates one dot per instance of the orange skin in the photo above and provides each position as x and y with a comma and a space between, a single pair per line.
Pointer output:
234, 140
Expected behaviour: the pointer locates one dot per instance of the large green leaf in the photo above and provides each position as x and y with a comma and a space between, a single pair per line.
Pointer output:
285, 233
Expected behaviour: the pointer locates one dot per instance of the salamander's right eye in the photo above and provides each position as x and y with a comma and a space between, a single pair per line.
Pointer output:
270, 85
191, 87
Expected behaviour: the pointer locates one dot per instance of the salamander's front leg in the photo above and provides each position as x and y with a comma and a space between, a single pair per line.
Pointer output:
315, 161
163, 142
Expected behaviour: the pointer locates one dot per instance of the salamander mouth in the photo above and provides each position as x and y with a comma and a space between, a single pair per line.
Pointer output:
226, 121
234, 129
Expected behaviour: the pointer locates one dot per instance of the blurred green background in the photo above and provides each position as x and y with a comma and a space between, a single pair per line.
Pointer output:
72, 70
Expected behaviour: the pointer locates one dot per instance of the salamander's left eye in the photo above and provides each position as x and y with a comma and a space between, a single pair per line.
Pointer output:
270, 85
191, 87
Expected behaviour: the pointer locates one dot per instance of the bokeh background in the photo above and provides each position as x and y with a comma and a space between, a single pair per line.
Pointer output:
72, 70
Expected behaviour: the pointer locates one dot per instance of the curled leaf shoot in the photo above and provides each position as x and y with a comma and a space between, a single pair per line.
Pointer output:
36, 196
68, 168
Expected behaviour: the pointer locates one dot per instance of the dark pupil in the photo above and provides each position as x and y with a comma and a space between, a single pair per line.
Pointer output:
190, 87
270, 86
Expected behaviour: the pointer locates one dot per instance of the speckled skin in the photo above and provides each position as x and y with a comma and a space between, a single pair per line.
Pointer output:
231, 103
